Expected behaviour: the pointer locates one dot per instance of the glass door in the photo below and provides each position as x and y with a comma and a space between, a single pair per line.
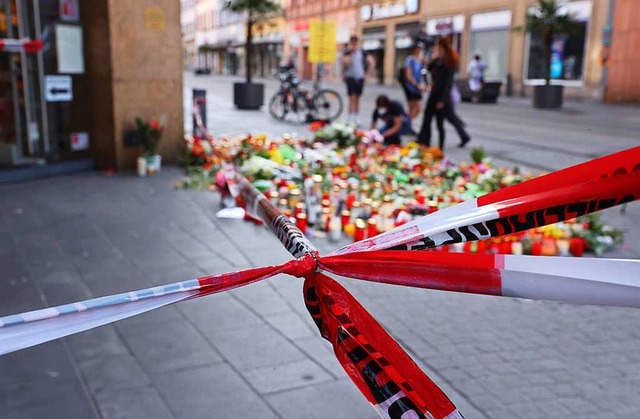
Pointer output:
23, 122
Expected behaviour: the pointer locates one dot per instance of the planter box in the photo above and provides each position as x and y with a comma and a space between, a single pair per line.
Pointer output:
548, 96
248, 96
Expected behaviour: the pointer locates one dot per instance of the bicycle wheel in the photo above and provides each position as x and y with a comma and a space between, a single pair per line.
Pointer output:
327, 104
301, 107
278, 106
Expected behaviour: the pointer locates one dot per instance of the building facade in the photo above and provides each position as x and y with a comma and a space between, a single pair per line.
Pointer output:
103, 63
188, 25
622, 54
492, 28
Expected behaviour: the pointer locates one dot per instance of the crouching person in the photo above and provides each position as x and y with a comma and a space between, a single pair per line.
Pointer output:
394, 120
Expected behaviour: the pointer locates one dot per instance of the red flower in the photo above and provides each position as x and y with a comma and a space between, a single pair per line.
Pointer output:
155, 125
577, 246
316, 125
207, 166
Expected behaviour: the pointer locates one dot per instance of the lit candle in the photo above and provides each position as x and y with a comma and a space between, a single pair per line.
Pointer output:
372, 228
346, 218
301, 222
360, 230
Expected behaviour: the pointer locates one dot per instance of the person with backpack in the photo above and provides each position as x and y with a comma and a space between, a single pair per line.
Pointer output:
357, 64
412, 80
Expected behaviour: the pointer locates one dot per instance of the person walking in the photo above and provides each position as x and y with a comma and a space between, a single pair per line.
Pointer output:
356, 65
442, 68
413, 84
395, 120
475, 72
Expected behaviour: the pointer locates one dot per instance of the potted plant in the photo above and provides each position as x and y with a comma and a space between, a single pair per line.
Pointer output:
150, 134
549, 19
250, 95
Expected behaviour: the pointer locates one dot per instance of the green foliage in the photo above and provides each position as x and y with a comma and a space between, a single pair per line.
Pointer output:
255, 8
597, 234
150, 134
549, 19
478, 154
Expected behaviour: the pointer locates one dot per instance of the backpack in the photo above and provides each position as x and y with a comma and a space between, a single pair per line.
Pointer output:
402, 75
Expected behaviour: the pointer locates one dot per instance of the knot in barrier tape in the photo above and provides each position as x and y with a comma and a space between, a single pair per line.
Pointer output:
302, 267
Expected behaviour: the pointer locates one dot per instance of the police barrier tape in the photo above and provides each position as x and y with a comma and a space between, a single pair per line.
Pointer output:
378, 366
19, 45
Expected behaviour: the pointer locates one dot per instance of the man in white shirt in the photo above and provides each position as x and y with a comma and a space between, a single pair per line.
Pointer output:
475, 72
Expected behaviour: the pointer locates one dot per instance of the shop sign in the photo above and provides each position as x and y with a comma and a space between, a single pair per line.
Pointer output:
491, 20
445, 25
58, 88
301, 25
377, 11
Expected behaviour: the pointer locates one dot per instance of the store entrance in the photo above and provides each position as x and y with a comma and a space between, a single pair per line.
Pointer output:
23, 121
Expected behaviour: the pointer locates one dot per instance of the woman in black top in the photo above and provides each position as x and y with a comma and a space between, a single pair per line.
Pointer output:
442, 69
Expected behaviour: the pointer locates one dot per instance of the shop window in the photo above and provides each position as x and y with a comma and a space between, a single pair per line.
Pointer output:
493, 46
567, 56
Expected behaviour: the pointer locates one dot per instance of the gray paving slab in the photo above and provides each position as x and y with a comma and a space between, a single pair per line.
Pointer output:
215, 390
185, 349
133, 403
219, 314
255, 347
114, 372
292, 375
337, 400
53, 397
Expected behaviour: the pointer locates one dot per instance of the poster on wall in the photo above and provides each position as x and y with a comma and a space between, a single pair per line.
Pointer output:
69, 49
155, 18
79, 141
69, 11
322, 42
557, 56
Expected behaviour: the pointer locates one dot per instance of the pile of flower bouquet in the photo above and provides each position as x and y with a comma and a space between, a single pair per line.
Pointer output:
345, 182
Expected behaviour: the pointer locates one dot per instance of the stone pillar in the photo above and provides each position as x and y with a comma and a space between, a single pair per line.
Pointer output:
133, 52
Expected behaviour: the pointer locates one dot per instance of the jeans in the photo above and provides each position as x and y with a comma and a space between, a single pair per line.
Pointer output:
404, 130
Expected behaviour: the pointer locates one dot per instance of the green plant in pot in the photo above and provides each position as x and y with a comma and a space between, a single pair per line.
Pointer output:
150, 134
549, 20
250, 95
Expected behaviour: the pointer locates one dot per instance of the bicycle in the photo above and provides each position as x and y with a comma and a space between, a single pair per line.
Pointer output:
308, 106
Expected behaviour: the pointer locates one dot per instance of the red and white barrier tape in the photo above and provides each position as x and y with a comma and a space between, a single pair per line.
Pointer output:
19, 45
378, 366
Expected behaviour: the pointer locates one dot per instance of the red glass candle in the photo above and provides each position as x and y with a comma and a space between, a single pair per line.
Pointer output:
351, 198
301, 222
346, 218
360, 233
372, 228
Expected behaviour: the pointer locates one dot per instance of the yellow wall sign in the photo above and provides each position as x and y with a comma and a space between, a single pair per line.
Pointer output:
322, 41
155, 19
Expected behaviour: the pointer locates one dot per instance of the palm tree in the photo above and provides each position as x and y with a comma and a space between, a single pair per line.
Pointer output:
256, 10
549, 19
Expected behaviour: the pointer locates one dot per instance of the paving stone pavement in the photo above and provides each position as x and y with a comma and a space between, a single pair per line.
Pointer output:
254, 352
